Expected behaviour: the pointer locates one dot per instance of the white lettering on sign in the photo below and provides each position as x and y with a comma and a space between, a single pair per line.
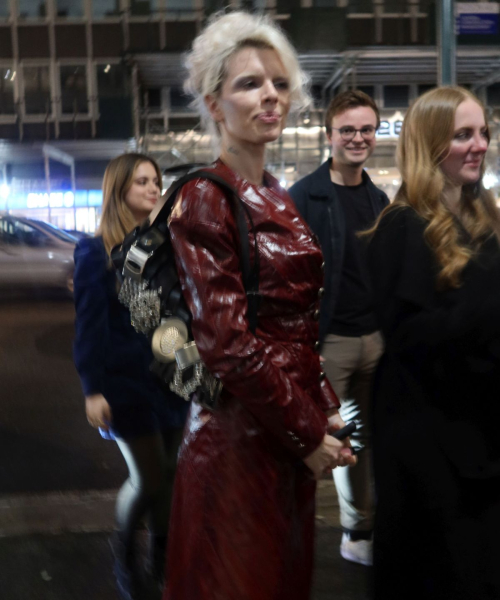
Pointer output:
54, 200
389, 129
475, 8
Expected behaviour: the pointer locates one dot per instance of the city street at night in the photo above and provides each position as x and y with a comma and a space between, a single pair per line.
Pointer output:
301, 199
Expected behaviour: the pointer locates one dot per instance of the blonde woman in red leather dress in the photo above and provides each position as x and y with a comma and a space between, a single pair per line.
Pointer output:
242, 523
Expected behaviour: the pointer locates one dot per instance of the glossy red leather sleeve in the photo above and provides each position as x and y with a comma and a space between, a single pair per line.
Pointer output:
258, 373
328, 399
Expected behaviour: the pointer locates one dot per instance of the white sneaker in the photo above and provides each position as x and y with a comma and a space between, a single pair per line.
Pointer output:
359, 551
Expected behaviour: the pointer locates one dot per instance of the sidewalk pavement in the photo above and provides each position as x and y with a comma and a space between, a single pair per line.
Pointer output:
54, 547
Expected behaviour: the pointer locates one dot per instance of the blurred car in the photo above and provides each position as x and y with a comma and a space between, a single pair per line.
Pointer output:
35, 253
78, 234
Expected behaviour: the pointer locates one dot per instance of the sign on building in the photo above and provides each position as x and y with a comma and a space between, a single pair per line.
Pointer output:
477, 18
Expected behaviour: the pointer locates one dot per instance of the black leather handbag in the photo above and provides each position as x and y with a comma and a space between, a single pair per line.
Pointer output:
150, 288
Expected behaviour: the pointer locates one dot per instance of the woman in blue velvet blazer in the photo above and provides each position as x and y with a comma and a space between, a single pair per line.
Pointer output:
122, 399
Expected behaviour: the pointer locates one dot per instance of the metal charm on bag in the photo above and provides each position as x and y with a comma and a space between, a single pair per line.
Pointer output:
169, 343
170, 336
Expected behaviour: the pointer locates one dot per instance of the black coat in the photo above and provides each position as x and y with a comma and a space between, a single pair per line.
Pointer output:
317, 202
442, 356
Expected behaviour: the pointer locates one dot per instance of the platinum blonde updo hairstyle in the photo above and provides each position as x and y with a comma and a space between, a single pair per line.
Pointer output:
225, 34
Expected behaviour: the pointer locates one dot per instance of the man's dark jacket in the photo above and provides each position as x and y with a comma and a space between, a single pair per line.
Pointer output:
318, 203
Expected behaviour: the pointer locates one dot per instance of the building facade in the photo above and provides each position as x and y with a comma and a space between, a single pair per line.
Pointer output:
83, 80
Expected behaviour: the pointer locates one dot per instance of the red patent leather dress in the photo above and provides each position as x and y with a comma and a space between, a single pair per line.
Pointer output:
242, 524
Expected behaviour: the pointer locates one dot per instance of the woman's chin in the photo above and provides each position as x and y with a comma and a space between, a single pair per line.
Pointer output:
472, 180
271, 136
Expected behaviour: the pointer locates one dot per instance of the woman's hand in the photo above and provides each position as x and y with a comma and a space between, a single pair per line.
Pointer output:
329, 454
98, 411
335, 421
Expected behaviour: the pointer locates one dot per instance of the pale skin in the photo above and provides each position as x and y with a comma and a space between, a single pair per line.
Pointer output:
462, 164
141, 198
348, 158
250, 111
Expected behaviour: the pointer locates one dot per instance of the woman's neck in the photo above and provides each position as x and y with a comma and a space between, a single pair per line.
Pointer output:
246, 160
451, 198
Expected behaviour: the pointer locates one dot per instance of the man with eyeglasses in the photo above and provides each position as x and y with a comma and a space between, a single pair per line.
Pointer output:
338, 200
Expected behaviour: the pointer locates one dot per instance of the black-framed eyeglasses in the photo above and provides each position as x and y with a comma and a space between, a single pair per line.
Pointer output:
349, 133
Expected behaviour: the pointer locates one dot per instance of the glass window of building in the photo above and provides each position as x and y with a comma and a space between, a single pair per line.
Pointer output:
180, 6
360, 6
151, 98
37, 98
259, 5
112, 80
212, 6
73, 89
140, 8
493, 94
397, 6
425, 87
69, 8
4, 8
179, 99
396, 96
114, 101
7, 77
105, 8
368, 89
31, 8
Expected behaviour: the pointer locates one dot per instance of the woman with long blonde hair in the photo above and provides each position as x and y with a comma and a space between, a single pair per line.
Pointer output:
435, 264
121, 397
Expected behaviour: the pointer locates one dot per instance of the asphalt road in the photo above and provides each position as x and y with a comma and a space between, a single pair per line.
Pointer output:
45, 441
58, 477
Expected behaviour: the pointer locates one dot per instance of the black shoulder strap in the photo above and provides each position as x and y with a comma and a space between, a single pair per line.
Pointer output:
250, 275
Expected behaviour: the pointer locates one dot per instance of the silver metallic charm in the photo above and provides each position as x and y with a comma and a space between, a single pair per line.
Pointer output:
184, 389
144, 304
168, 339
187, 356
201, 378
135, 262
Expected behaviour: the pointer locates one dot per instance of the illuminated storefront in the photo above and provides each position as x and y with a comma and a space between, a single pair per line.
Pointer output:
79, 210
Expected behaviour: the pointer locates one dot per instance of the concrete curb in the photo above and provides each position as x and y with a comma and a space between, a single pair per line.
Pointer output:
93, 511
57, 512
